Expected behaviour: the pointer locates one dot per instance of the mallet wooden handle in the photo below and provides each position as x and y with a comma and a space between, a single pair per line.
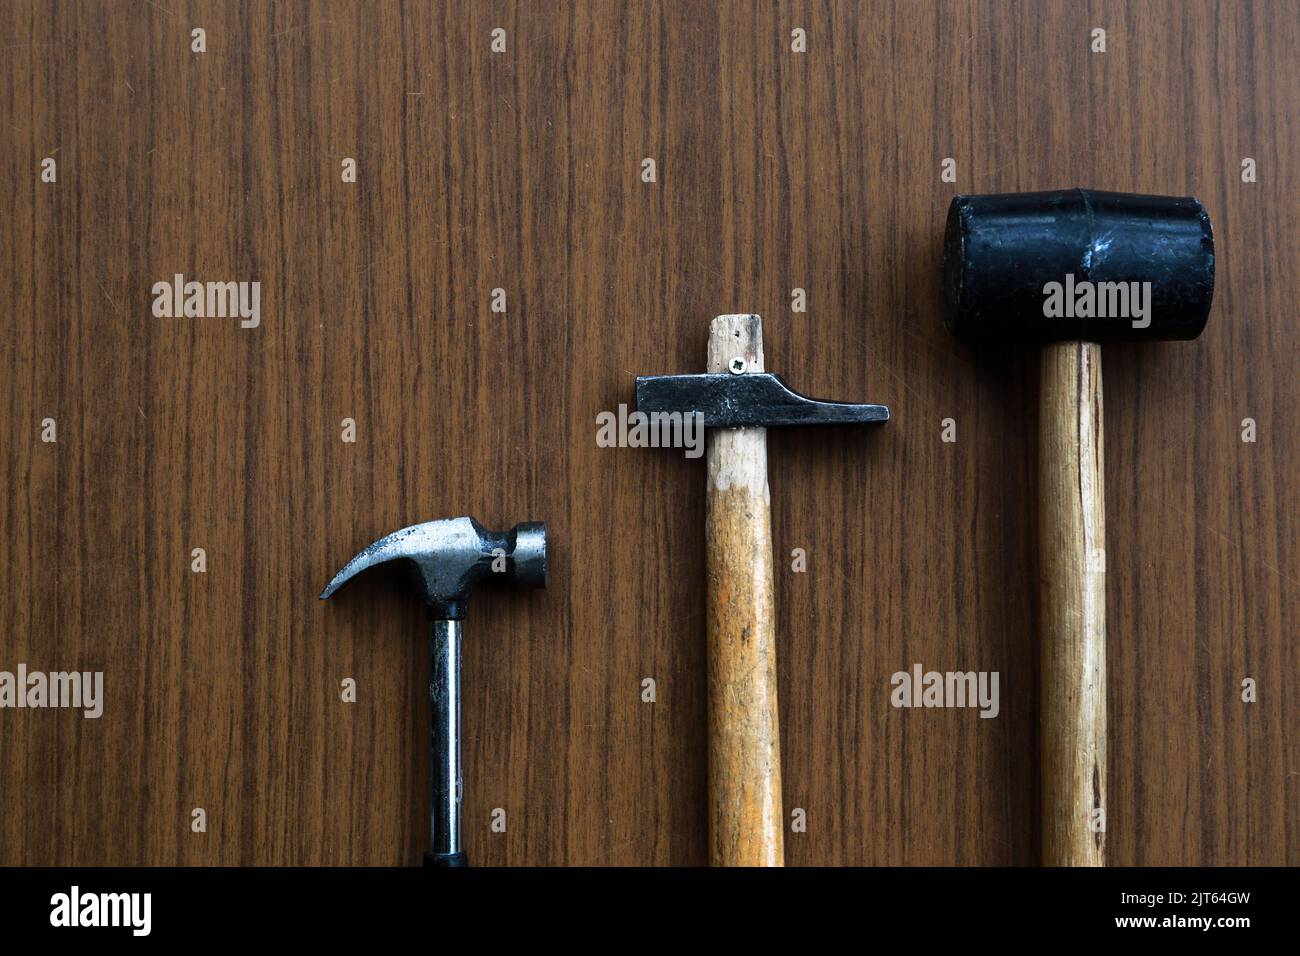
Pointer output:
1072, 542
745, 817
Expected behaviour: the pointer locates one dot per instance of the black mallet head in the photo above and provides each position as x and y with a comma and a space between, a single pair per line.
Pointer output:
1075, 264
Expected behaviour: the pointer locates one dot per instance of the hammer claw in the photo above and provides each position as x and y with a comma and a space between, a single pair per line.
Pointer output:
412, 543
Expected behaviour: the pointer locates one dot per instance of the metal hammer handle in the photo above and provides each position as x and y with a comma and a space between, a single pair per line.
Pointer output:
1072, 544
745, 817
444, 740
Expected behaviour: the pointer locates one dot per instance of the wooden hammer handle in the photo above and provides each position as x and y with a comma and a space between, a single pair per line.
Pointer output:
745, 818
1072, 544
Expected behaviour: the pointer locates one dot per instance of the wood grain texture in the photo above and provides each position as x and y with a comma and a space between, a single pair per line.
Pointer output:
745, 818
521, 171
1072, 576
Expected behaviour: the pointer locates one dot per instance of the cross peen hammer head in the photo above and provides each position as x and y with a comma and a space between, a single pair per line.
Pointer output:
748, 400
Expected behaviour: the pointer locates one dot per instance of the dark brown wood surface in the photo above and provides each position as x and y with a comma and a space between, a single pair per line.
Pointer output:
521, 171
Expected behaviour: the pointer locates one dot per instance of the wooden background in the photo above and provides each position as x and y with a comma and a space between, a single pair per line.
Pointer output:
521, 171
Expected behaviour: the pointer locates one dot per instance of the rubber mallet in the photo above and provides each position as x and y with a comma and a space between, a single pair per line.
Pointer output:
1072, 269
738, 401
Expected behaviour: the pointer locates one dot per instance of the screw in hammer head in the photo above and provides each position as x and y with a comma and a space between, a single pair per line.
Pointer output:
447, 558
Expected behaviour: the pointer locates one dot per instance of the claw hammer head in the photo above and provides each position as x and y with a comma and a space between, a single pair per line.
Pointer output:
447, 558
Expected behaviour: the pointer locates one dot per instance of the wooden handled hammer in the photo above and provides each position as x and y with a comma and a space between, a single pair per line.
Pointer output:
1071, 269
738, 400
